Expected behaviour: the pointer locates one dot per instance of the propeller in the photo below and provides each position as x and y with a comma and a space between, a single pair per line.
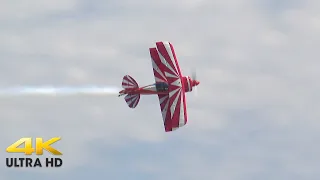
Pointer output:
194, 77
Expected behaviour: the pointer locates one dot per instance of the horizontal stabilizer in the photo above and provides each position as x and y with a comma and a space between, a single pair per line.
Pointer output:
128, 82
132, 100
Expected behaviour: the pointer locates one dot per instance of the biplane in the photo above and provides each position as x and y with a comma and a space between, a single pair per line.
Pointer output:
170, 86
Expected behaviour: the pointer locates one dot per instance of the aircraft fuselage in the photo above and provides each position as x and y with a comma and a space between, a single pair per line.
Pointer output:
159, 88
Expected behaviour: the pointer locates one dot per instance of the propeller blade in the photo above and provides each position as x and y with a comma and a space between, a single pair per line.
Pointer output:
194, 75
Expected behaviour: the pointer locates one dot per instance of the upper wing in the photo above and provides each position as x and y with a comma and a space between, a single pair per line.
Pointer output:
173, 105
158, 71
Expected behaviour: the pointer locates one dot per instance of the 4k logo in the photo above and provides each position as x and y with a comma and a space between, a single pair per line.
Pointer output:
29, 150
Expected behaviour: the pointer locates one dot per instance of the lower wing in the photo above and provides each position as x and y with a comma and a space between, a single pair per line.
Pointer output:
173, 110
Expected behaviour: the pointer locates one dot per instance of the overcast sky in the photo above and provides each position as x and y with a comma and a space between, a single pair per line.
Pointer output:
256, 115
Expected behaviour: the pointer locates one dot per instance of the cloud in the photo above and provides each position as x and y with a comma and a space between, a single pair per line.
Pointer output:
21, 10
256, 116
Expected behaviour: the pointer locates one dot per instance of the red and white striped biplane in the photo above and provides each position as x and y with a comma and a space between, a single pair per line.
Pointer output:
170, 86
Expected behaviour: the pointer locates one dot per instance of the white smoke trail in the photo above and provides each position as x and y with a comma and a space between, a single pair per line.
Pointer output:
56, 91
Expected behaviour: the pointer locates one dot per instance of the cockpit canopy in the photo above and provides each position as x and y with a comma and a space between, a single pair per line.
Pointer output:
162, 86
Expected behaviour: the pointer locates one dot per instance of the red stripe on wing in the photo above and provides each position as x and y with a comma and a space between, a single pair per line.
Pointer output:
176, 113
175, 59
158, 69
164, 104
163, 51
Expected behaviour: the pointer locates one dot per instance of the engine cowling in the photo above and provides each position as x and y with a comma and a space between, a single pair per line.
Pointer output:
187, 81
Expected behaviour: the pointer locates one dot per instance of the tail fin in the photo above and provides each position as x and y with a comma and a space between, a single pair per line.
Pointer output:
129, 82
132, 100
